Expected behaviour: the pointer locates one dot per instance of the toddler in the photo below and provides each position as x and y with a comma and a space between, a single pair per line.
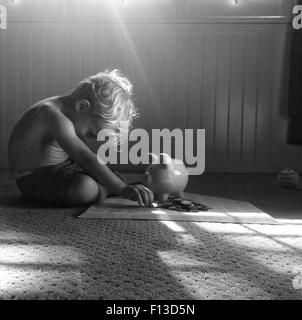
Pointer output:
47, 152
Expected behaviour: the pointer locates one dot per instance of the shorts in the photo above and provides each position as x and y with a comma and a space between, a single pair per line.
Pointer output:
49, 184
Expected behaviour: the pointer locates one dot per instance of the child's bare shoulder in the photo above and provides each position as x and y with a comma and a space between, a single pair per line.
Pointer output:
49, 105
44, 115
54, 117
41, 107
52, 110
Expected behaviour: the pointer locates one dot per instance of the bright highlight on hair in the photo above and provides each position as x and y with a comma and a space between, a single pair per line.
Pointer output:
111, 97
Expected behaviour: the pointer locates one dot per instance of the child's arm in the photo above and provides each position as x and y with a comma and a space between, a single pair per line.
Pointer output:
63, 131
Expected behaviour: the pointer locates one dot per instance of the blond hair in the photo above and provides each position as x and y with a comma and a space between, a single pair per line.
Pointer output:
111, 97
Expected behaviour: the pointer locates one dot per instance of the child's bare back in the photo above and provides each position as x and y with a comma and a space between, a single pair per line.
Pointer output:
31, 132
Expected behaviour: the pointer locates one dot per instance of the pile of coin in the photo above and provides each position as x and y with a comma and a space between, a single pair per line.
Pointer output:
183, 205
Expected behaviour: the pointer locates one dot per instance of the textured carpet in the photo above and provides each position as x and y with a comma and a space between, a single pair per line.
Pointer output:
46, 253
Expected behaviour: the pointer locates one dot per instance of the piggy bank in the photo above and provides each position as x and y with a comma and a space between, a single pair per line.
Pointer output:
165, 177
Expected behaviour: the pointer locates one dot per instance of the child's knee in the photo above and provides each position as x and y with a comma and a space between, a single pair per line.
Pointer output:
83, 189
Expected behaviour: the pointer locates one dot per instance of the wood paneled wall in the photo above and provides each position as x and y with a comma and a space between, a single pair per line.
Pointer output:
227, 76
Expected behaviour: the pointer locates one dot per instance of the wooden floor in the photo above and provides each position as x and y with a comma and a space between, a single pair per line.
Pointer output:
259, 189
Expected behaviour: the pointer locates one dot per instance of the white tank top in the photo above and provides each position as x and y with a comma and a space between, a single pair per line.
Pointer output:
53, 155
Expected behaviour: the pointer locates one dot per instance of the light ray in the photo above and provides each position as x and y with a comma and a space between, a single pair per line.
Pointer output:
130, 44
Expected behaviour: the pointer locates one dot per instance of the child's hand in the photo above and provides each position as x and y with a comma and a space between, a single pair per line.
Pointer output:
139, 193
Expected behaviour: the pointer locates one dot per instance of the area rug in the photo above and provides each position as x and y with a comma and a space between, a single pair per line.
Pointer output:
47, 253
222, 210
